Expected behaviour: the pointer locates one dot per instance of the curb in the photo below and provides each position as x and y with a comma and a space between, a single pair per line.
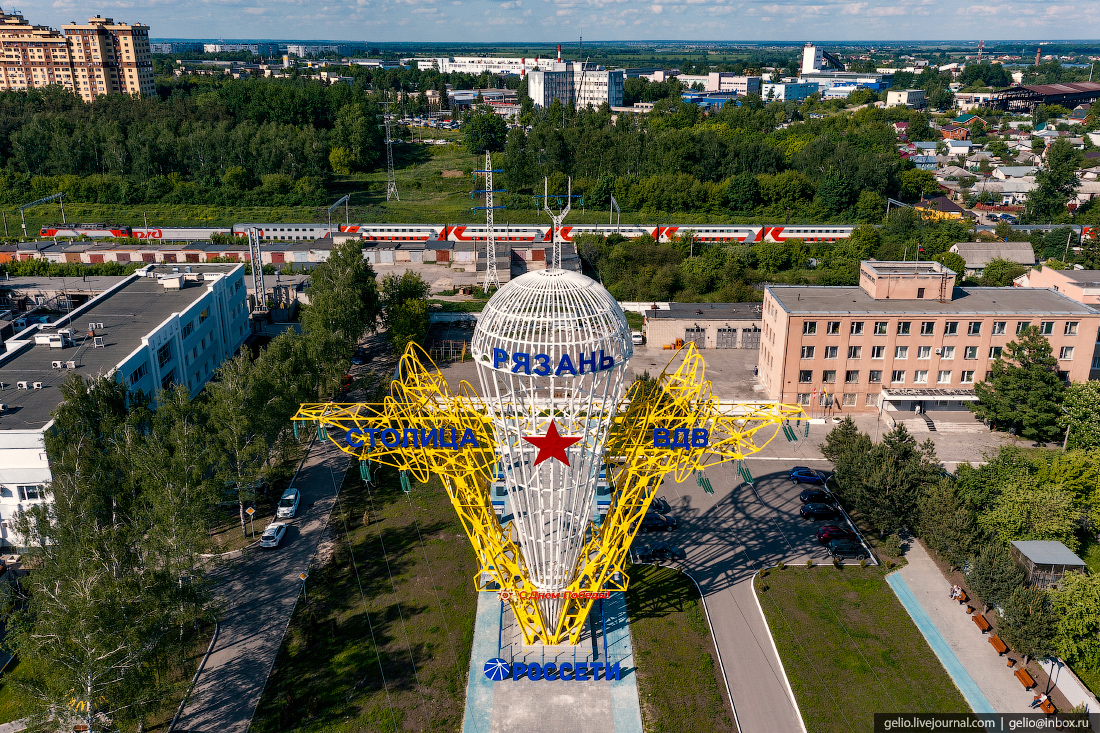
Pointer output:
771, 638
195, 679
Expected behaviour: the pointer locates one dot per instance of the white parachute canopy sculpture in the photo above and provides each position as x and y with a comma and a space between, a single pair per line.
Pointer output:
551, 349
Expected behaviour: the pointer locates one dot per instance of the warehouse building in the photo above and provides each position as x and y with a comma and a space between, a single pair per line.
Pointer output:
155, 328
707, 325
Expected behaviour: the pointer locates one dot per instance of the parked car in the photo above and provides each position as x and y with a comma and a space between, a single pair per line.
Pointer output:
637, 338
288, 505
659, 551
847, 548
653, 522
819, 511
804, 475
816, 496
831, 532
273, 534
659, 505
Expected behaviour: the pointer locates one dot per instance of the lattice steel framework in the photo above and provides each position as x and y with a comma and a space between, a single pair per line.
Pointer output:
391, 180
551, 545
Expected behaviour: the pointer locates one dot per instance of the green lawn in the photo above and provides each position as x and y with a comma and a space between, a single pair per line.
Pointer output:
327, 676
11, 699
849, 648
678, 678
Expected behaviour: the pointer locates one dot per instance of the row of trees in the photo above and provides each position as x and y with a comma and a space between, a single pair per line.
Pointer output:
117, 585
969, 519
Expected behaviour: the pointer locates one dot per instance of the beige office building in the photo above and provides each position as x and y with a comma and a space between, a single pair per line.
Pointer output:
98, 57
906, 338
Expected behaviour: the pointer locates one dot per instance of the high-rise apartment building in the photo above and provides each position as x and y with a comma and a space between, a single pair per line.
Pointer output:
110, 58
99, 57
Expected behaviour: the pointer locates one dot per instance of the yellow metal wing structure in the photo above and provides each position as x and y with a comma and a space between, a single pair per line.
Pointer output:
673, 425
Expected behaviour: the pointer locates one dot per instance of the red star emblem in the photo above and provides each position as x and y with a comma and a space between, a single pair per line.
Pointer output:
551, 445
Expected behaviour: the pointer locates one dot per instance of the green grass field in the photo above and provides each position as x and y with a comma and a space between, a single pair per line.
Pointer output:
850, 649
327, 675
678, 679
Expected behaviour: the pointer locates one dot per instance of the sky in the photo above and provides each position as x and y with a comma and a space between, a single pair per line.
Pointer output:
501, 21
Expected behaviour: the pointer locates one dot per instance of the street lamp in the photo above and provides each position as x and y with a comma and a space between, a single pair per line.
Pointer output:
1065, 441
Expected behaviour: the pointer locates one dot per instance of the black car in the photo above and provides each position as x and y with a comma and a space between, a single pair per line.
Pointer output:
659, 551
816, 496
659, 505
803, 475
847, 548
654, 522
819, 511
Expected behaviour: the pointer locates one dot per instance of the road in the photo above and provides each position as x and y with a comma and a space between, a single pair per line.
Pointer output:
257, 594
727, 537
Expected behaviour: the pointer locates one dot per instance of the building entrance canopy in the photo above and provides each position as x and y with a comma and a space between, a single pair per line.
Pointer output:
911, 394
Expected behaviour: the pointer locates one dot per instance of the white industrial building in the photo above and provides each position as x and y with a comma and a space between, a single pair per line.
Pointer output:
911, 98
583, 84
162, 325
480, 64
302, 50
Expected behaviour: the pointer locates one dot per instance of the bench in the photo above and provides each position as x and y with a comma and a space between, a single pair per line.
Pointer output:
1048, 707
1025, 678
998, 644
962, 597
981, 622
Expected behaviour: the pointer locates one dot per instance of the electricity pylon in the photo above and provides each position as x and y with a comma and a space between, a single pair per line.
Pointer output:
492, 278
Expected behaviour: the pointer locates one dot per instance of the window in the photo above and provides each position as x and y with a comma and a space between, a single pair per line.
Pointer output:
204, 315
871, 400
974, 328
1071, 328
1021, 326
805, 376
878, 352
1046, 328
998, 328
944, 377
970, 352
874, 376
897, 376
901, 352
30, 493
803, 398
920, 376
880, 328
137, 374
833, 328
809, 328
1066, 353
164, 354
807, 352
967, 377
903, 328
1096, 362
830, 352
849, 400
857, 328
828, 376
950, 328
924, 352
189, 329
920, 292
948, 352
927, 328
994, 352
168, 378
851, 376
855, 352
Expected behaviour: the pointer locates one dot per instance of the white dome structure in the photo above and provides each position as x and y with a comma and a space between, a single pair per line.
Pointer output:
551, 349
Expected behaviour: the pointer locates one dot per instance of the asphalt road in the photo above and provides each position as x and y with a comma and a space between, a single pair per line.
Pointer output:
257, 594
727, 536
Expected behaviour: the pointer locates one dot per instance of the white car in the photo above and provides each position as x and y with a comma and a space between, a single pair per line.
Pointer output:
288, 505
273, 534
637, 338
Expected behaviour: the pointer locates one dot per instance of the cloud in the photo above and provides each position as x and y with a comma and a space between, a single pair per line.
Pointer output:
657, 9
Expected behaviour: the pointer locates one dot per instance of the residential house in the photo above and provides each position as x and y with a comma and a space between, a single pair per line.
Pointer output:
1078, 115
954, 132
942, 207
978, 255
966, 120
1005, 172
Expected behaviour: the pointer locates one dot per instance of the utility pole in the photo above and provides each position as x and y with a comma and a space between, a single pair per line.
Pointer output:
347, 215
558, 218
45, 199
618, 214
492, 278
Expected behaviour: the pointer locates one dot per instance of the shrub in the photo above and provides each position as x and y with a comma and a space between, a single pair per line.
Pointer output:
892, 545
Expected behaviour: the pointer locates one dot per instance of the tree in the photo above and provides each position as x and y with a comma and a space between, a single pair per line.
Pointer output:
952, 261
1003, 230
341, 160
742, 193
1055, 184
1029, 511
484, 130
1077, 605
409, 323
946, 523
1000, 273
993, 576
1081, 416
343, 296
915, 183
870, 207
1023, 390
1028, 623
396, 289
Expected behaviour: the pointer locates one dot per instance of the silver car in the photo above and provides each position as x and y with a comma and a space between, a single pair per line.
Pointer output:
273, 534
288, 505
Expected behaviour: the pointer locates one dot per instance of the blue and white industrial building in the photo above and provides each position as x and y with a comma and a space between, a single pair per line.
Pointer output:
161, 326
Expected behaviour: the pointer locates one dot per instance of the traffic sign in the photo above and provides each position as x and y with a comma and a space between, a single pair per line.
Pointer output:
250, 511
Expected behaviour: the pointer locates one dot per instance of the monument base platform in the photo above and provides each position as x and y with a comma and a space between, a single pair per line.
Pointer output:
588, 705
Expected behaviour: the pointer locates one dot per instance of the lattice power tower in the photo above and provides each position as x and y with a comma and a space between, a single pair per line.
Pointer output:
554, 414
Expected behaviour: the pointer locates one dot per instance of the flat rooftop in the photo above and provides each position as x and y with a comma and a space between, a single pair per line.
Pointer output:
904, 268
132, 311
841, 299
708, 311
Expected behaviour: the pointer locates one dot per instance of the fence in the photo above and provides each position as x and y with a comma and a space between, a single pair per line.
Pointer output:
449, 351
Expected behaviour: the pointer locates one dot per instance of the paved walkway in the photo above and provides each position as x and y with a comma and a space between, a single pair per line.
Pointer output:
257, 594
988, 671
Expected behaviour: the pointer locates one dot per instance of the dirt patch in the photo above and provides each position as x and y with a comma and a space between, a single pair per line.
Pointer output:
451, 174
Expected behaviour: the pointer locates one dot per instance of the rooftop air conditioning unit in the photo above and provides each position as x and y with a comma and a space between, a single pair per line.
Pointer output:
58, 365
20, 385
70, 364
99, 325
38, 385
3, 408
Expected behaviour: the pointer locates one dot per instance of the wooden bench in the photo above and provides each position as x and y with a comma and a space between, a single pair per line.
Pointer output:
1048, 707
962, 597
981, 622
998, 644
1025, 678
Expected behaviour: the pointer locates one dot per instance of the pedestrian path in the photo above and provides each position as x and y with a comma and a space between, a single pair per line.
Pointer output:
926, 594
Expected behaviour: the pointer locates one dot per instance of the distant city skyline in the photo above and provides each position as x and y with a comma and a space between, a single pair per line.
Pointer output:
553, 21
